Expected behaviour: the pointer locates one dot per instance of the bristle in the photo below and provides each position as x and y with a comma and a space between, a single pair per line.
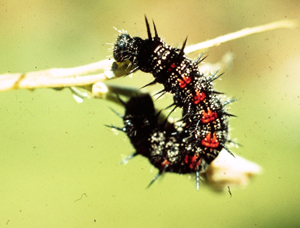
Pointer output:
181, 53
156, 35
200, 59
157, 175
118, 114
124, 161
149, 84
133, 70
114, 127
160, 93
215, 76
148, 29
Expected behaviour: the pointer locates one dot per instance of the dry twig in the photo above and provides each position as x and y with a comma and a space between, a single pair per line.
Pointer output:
82, 75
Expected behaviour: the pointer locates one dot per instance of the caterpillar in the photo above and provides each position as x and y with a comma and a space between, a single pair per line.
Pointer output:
203, 130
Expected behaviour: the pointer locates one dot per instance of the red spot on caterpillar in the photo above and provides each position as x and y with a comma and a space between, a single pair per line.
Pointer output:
211, 142
182, 84
184, 81
187, 79
171, 66
164, 163
192, 161
208, 116
199, 97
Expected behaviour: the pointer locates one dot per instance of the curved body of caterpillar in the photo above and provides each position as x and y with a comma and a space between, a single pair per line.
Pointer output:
204, 130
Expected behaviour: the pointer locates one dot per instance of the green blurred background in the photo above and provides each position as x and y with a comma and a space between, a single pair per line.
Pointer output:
59, 164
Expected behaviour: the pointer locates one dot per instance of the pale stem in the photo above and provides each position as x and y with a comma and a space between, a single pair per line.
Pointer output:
68, 77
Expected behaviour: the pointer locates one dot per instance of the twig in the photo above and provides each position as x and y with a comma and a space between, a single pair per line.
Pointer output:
235, 35
68, 77
55, 77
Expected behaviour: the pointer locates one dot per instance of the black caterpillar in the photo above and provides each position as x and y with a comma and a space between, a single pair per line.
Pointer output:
204, 125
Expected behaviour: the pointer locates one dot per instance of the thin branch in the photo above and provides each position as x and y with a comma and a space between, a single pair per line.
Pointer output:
68, 77
55, 77
244, 32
